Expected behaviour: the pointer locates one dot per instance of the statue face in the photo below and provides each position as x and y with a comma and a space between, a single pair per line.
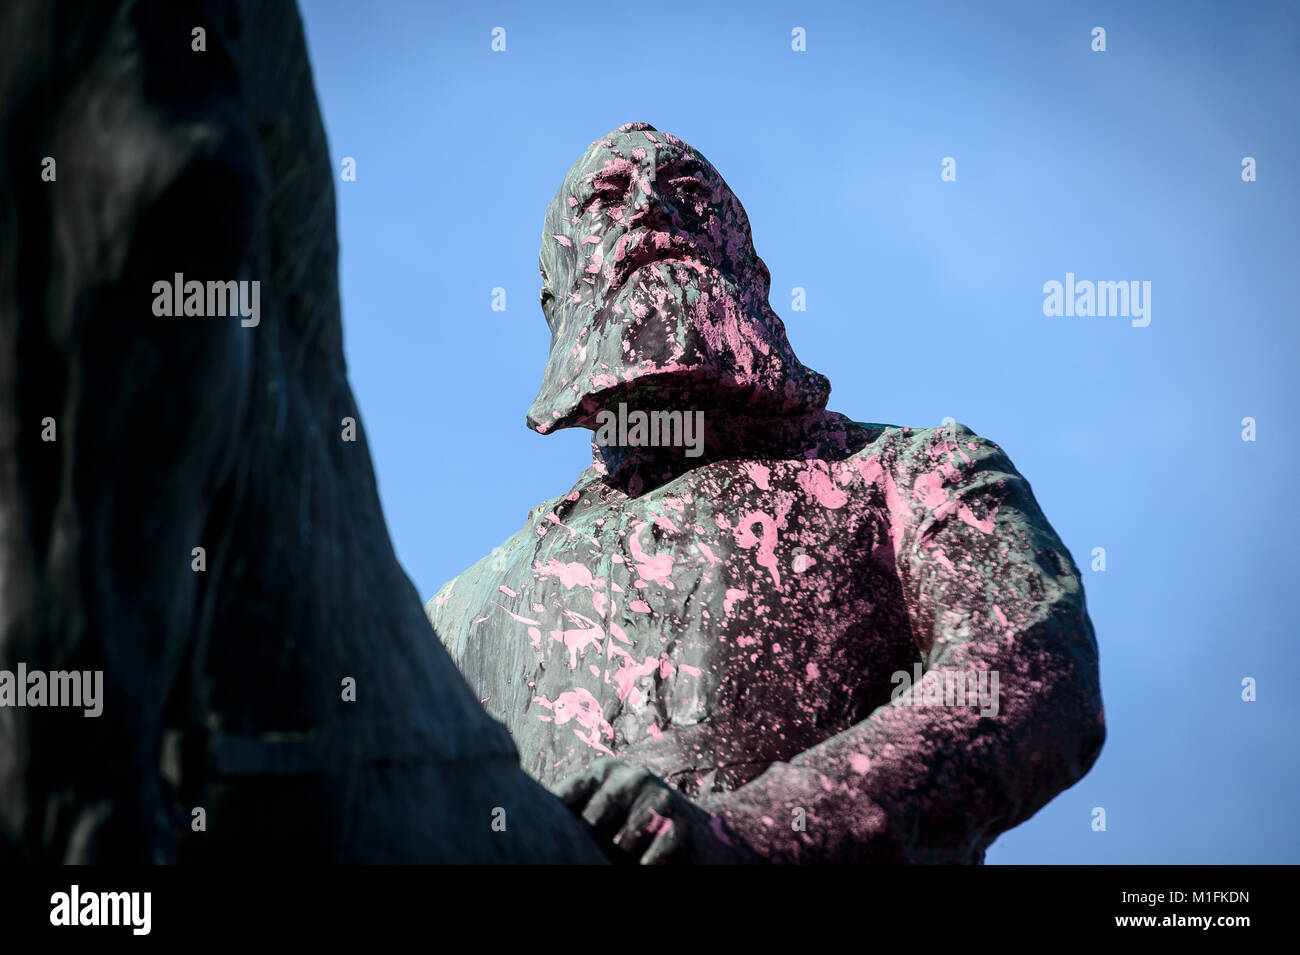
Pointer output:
653, 291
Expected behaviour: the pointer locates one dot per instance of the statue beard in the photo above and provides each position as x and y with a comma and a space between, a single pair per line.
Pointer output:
677, 335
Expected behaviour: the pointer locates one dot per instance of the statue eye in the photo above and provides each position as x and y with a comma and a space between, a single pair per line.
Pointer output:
608, 187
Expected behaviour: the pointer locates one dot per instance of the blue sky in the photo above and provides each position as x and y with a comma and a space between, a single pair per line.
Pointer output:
925, 300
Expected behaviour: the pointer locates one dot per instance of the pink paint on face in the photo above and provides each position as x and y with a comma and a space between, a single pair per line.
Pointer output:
507, 591
623, 200
930, 490
986, 525
638, 606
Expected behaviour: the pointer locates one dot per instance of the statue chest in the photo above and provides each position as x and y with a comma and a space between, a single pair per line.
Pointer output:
727, 619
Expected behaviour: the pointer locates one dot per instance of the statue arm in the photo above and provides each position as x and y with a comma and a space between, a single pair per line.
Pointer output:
989, 587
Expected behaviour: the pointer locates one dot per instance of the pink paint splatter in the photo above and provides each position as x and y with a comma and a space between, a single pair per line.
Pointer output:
746, 538
817, 483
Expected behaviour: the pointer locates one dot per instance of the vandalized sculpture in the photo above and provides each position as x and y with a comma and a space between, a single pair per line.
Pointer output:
711, 647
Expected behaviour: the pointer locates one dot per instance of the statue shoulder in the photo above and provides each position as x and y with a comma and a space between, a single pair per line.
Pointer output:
908, 447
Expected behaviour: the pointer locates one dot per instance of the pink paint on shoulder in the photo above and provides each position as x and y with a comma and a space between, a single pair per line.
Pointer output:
587, 633
570, 575
664, 523
817, 483
731, 597
627, 675
658, 568
581, 707
900, 514
516, 617
746, 538
759, 474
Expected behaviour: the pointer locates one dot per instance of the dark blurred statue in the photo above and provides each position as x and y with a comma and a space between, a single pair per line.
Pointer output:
187, 503
755, 629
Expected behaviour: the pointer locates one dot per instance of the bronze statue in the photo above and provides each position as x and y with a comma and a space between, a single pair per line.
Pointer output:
782, 636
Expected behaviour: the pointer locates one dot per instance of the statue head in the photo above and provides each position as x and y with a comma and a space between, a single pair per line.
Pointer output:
654, 293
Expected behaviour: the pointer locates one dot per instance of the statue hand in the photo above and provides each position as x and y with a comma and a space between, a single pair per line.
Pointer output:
638, 818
